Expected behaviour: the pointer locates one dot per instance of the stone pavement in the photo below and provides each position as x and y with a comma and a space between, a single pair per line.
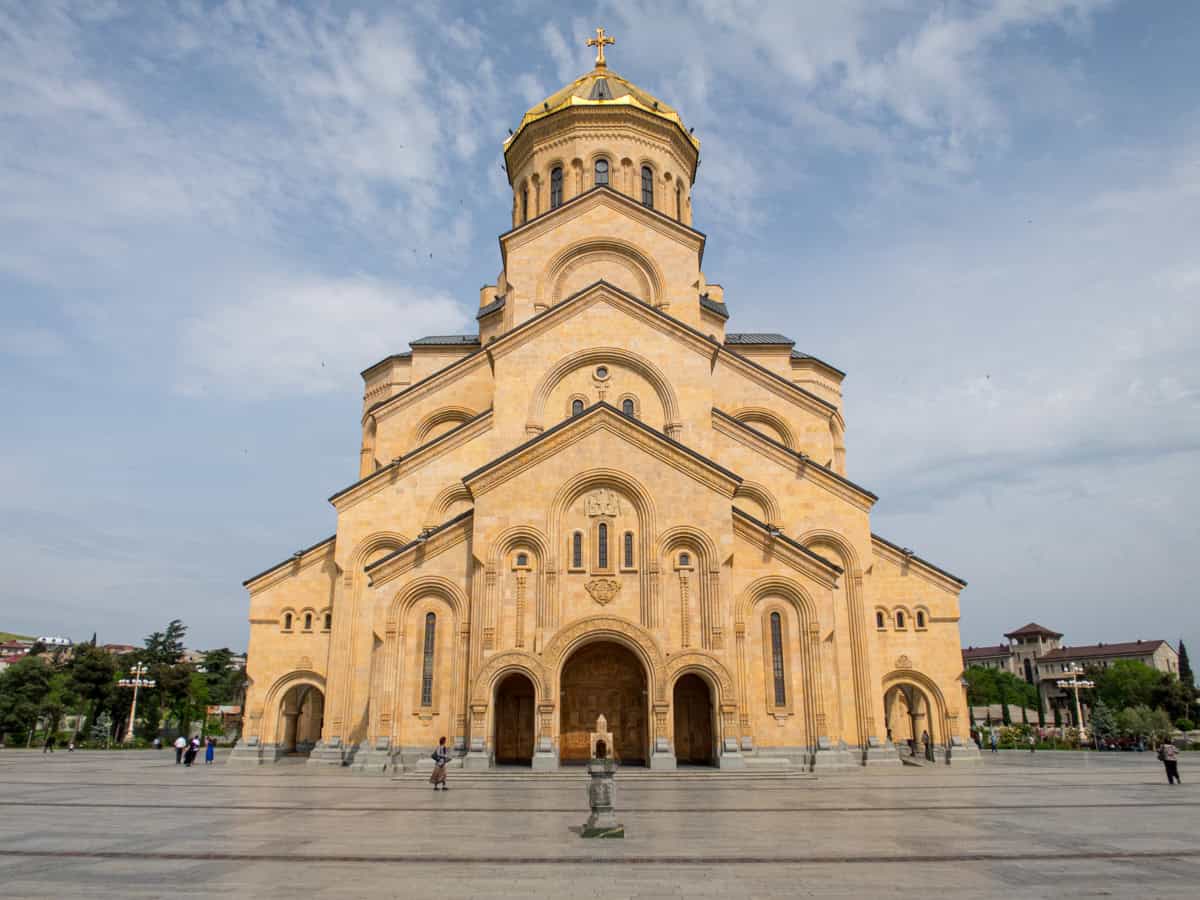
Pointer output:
133, 824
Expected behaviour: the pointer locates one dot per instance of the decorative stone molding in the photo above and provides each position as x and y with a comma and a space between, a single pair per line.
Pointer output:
603, 590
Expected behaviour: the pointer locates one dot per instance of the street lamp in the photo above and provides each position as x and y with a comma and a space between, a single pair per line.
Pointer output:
137, 681
1075, 683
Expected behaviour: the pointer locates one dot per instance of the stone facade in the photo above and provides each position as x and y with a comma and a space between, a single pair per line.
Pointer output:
602, 503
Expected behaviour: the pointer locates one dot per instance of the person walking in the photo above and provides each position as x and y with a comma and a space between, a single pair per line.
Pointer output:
995, 738
1169, 755
1032, 742
441, 756
48, 747
180, 745
926, 745
189, 755
210, 750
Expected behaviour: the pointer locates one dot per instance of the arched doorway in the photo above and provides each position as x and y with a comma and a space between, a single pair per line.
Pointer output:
514, 721
693, 721
302, 716
606, 679
910, 717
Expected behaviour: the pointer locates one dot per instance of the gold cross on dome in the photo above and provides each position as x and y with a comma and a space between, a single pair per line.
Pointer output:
598, 42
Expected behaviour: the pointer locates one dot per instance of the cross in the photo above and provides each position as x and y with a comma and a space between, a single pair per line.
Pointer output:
598, 42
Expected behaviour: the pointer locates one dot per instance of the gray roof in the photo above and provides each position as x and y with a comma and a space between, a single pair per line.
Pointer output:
762, 338
489, 308
796, 354
446, 340
714, 306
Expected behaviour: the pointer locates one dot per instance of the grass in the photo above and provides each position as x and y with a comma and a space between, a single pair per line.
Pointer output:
9, 636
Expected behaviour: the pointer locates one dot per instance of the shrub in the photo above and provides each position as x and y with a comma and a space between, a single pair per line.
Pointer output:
1185, 724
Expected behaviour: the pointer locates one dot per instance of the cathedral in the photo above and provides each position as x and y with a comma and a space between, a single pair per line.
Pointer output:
604, 501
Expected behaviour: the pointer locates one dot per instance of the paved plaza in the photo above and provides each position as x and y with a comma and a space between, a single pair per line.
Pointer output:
1052, 825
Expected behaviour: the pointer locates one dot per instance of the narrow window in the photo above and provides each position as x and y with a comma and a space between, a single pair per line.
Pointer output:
522, 559
647, 187
577, 550
678, 202
287, 621
629, 549
878, 620
524, 205
685, 559
627, 407
899, 619
308, 621
427, 663
920, 619
777, 659
602, 545
576, 407
602, 171
556, 187
328, 621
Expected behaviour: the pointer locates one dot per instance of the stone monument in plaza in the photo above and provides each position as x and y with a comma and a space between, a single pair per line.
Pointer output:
602, 788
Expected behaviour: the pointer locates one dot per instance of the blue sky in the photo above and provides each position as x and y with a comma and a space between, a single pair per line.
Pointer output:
213, 215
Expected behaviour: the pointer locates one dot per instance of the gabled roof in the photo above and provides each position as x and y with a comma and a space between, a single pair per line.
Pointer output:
446, 340
407, 354
1033, 629
295, 556
489, 308
783, 538
986, 652
904, 551
596, 409
421, 539
1095, 651
796, 354
714, 307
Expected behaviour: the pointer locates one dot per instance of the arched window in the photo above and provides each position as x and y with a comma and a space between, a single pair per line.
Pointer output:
777, 659
328, 621
685, 559
308, 621
287, 621
628, 550
627, 407
556, 187
678, 202
879, 623
577, 550
576, 407
522, 559
427, 662
601, 171
602, 545
524, 205
899, 619
647, 187
920, 619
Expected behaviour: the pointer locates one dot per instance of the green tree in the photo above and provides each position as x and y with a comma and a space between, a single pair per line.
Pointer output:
100, 732
92, 674
23, 689
166, 647
1126, 683
1185, 667
1172, 695
174, 685
1104, 723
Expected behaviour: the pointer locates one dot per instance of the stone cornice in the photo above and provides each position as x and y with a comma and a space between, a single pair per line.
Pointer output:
800, 463
299, 561
796, 555
434, 543
885, 549
601, 195
596, 418
411, 461
425, 386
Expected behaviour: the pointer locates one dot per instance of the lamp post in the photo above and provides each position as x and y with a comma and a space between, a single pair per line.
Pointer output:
1075, 683
137, 681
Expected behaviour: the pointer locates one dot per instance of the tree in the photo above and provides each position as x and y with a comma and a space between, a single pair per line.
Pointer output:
1185, 667
23, 689
166, 647
101, 730
1104, 723
92, 674
1172, 695
1126, 683
174, 684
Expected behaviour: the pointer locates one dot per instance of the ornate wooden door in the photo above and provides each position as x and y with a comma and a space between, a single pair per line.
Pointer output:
604, 679
693, 721
514, 721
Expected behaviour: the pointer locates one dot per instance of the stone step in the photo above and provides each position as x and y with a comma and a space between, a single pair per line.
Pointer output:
580, 775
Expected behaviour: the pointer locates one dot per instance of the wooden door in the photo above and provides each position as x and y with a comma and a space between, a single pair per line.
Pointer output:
604, 679
693, 721
514, 721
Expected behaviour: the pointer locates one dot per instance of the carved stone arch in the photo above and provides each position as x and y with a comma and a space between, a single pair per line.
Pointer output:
909, 623
776, 585
372, 543
609, 628
612, 251
418, 589
503, 664
441, 509
927, 685
761, 495
708, 667
663, 389
273, 701
680, 535
509, 539
839, 543
782, 431
423, 430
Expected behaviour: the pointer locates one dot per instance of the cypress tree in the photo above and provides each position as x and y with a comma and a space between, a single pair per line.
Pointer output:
1185, 666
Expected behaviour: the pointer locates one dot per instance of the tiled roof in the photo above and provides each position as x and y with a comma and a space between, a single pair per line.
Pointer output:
1033, 629
488, 309
1128, 648
719, 309
405, 355
986, 652
446, 340
761, 338
797, 354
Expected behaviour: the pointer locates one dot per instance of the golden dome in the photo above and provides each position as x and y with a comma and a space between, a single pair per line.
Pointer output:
602, 87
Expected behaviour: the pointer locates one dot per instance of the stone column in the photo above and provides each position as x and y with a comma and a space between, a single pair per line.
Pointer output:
545, 757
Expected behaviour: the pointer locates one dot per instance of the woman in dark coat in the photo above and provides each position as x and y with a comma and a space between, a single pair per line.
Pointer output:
441, 756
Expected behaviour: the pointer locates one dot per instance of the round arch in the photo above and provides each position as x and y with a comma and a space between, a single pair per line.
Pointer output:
273, 701
446, 414
535, 421
710, 669
445, 501
940, 730
500, 666
595, 629
764, 416
761, 495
